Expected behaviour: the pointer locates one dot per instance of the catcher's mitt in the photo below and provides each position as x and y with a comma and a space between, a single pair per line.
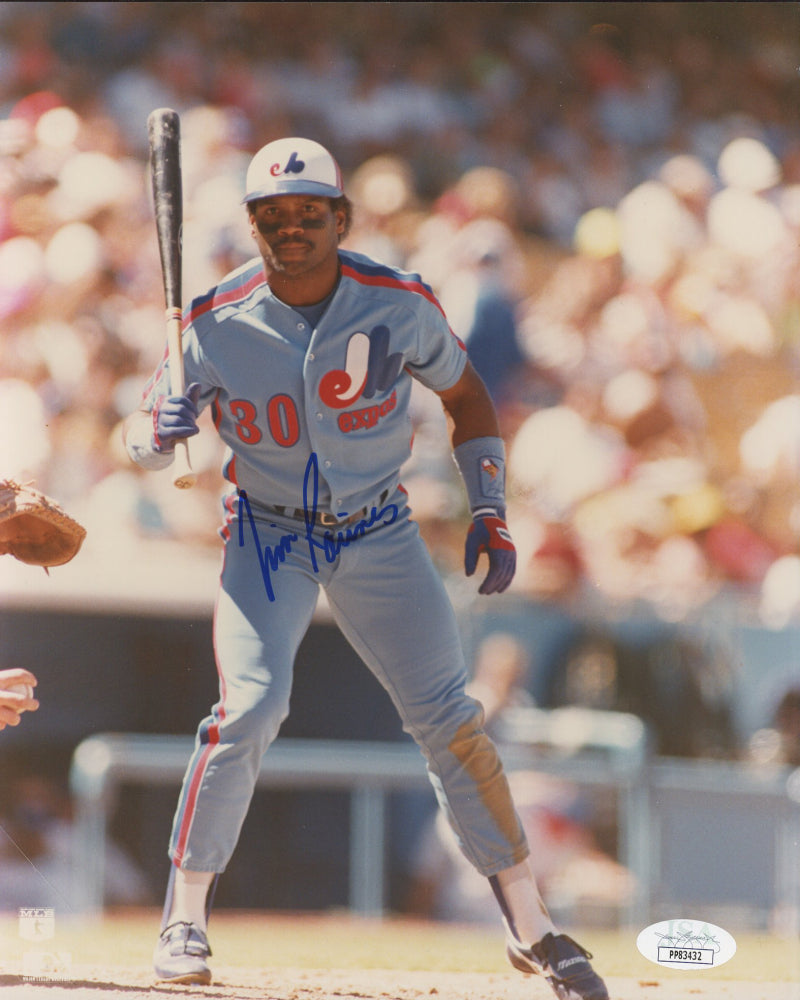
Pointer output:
34, 528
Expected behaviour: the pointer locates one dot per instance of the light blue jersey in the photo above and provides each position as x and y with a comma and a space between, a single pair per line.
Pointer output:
281, 390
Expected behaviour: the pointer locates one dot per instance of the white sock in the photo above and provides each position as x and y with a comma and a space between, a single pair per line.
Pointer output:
527, 909
189, 894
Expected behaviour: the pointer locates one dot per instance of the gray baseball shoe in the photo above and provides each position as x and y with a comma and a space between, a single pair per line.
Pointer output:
181, 953
563, 963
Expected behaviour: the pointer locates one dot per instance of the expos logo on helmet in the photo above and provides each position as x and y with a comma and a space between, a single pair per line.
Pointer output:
293, 166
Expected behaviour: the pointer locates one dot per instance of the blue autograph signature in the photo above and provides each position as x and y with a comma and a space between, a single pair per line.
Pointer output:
271, 557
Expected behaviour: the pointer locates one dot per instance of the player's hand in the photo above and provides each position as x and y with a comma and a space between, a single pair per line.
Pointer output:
174, 418
489, 533
14, 703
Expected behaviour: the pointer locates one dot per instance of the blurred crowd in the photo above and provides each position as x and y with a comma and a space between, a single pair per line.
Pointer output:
606, 198
38, 849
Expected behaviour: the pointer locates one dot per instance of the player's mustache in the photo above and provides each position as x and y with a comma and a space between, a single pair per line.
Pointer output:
271, 233
271, 230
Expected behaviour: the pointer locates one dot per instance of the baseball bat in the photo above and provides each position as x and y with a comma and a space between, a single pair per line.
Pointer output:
163, 127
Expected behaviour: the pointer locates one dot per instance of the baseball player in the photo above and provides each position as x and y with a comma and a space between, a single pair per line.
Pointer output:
13, 701
306, 356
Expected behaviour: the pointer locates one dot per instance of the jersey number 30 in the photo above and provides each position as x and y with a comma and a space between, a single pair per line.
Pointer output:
282, 420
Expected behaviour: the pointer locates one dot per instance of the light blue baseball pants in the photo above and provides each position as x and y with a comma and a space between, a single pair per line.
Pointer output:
389, 601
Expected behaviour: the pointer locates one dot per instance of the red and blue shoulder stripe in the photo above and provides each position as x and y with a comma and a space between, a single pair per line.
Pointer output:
367, 272
234, 287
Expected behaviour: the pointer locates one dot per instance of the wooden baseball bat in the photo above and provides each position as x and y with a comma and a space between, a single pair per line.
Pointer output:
163, 128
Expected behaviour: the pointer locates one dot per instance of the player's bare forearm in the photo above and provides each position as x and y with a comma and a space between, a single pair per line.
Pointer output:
469, 408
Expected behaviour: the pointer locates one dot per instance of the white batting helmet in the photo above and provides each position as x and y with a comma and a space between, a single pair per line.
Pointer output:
293, 166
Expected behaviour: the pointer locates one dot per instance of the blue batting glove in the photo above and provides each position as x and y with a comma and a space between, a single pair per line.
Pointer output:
489, 533
174, 418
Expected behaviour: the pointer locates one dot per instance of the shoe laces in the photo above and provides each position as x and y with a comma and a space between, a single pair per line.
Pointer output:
574, 943
546, 949
180, 932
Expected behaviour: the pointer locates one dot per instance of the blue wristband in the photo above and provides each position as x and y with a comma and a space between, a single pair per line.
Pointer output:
482, 462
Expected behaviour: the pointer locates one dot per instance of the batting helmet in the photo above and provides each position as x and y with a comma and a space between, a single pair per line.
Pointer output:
293, 166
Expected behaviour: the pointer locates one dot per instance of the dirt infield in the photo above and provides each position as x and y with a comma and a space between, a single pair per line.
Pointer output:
235, 983
336, 957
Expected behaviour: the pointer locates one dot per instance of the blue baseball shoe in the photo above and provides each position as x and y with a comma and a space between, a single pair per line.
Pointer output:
563, 963
181, 953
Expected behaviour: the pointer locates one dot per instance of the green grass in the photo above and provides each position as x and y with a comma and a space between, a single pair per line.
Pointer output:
340, 940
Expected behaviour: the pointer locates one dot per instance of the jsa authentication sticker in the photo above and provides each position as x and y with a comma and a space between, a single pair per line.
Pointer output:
686, 944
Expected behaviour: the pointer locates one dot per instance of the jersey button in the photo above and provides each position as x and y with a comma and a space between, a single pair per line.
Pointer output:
301, 326
319, 416
311, 357
327, 463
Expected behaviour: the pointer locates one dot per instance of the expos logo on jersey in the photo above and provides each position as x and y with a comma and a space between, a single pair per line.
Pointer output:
369, 369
